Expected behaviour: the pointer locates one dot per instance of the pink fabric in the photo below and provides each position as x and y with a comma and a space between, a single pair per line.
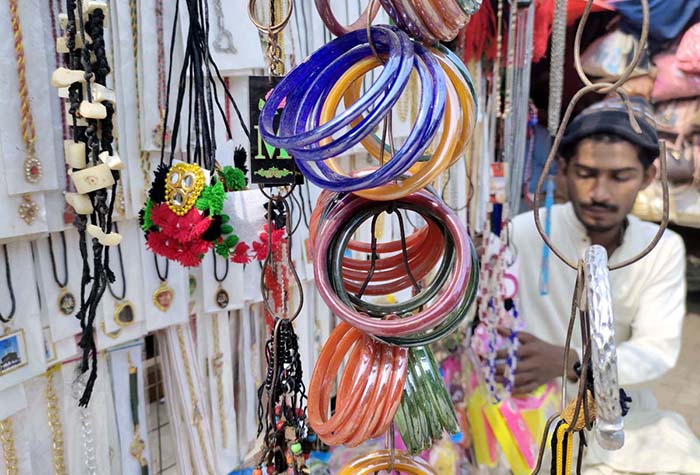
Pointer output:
672, 82
688, 53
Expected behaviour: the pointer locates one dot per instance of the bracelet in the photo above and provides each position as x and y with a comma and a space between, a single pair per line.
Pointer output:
457, 129
451, 13
369, 391
433, 20
426, 409
390, 274
609, 425
387, 460
423, 202
432, 106
324, 10
340, 284
414, 25
339, 52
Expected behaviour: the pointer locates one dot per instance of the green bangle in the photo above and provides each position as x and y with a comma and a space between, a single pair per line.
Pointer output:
337, 250
426, 410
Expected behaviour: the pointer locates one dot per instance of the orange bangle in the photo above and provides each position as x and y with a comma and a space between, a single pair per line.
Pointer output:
368, 392
466, 101
383, 460
339, 343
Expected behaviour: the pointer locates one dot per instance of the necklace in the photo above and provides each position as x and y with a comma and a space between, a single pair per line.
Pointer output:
54, 417
217, 363
7, 436
123, 310
87, 434
196, 413
163, 296
8, 276
221, 296
556, 69
32, 165
161, 133
66, 299
223, 43
137, 444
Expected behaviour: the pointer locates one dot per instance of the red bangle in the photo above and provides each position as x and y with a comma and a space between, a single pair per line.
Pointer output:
429, 318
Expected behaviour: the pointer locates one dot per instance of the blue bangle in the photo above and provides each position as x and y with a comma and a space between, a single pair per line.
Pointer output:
429, 118
294, 86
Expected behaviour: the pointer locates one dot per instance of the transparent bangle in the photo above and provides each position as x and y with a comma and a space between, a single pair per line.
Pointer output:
609, 425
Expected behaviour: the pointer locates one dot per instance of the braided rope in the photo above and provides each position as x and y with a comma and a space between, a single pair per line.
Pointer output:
28, 130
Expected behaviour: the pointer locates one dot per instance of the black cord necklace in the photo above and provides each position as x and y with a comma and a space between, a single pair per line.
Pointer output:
66, 299
8, 276
221, 296
123, 309
163, 296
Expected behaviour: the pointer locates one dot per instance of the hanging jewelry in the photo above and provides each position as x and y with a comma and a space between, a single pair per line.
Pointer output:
197, 415
556, 68
124, 312
28, 210
53, 411
8, 277
66, 299
217, 363
137, 444
223, 43
164, 295
7, 436
32, 165
87, 433
161, 133
220, 296
95, 166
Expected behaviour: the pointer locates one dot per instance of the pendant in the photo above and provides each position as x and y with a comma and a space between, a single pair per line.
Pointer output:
32, 168
222, 297
14, 351
124, 313
28, 209
158, 136
163, 297
66, 302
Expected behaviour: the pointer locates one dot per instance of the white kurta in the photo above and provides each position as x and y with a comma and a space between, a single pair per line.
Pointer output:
649, 307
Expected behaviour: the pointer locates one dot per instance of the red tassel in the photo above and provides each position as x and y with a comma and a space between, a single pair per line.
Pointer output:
479, 36
544, 18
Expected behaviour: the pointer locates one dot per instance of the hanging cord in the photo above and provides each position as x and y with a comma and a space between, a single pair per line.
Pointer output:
8, 277
60, 282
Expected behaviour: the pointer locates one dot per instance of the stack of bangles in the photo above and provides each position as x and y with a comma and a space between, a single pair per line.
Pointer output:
425, 409
313, 92
389, 372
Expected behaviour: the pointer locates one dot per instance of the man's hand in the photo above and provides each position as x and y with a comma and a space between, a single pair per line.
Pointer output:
538, 363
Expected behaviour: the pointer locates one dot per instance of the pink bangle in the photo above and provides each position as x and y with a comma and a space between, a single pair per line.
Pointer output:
409, 17
332, 23
421, 201
451, 14
434, 21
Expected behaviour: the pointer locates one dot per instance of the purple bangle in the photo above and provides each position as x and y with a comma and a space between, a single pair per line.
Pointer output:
311, 102
310, 108
297, 82
429, 118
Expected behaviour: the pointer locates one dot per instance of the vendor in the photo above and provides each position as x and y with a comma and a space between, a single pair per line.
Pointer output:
605, 163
